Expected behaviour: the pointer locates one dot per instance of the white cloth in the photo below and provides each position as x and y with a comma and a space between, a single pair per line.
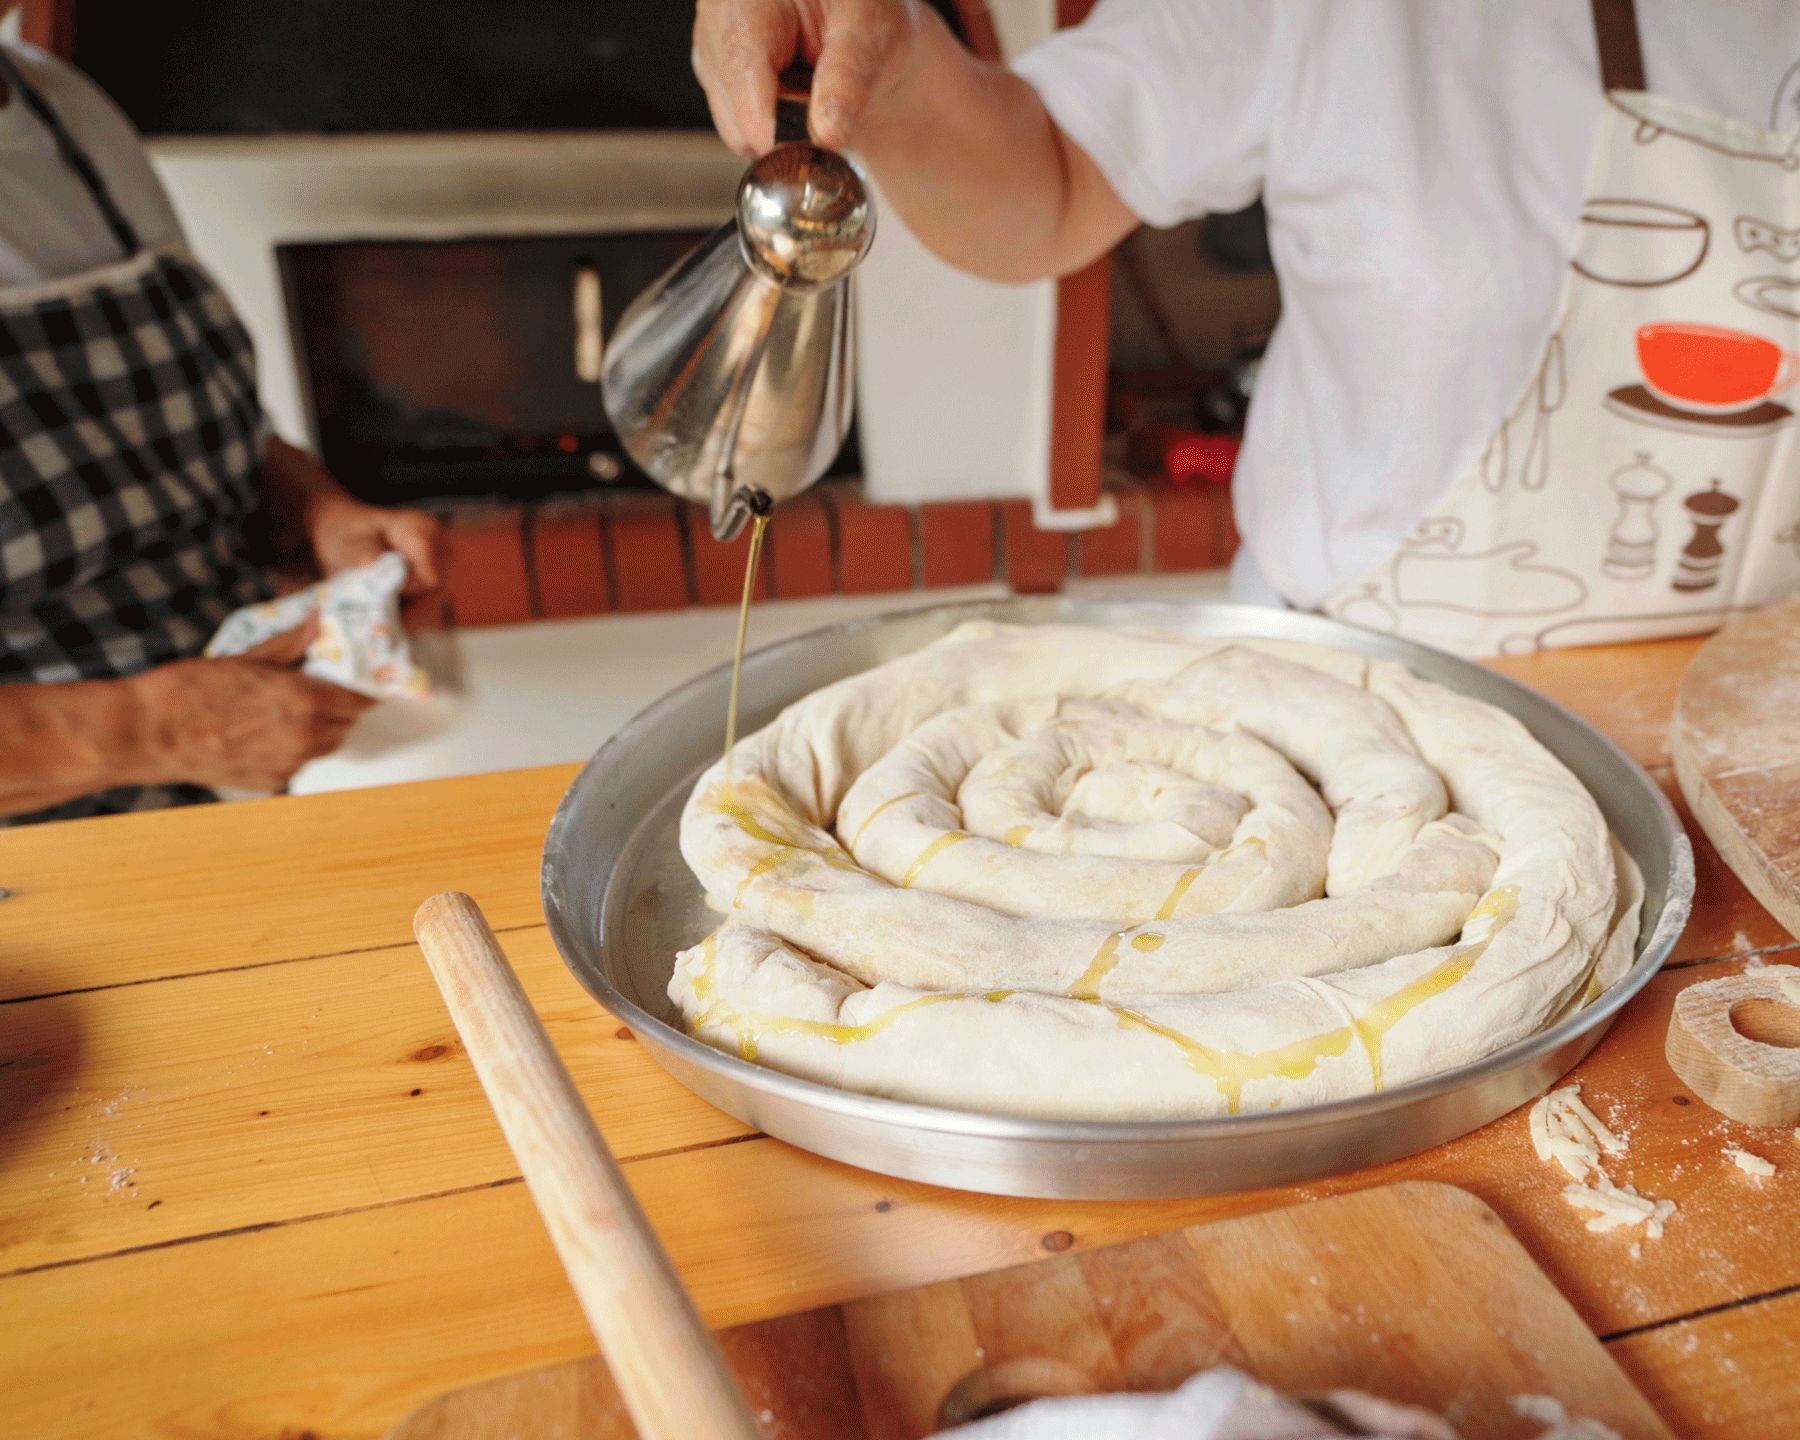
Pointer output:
1423, 165
1226, 1404
49, 227
361, 643
1221, 1404
1247, 585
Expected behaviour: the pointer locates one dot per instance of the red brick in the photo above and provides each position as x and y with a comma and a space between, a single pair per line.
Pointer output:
1188, 524
1036, 560
719, 567
569, 563
646, 553
799, 549
1119, 548
956, 540
486, 584
875, 544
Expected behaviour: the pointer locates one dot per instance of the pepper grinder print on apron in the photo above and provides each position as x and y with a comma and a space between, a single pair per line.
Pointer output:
130, 446
1647, 482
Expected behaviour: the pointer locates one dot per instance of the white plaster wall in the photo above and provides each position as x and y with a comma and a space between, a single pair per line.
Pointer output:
239, 197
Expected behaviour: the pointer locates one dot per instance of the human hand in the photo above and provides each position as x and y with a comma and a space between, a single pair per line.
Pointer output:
345, 533
244, 723
860, 51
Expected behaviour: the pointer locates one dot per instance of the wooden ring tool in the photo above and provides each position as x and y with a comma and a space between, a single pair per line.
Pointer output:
1735, 1042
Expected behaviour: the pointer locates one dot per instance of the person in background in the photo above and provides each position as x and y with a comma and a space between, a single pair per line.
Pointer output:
137, 478
1537, 264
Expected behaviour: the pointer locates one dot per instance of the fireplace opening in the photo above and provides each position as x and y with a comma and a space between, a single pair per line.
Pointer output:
441, 370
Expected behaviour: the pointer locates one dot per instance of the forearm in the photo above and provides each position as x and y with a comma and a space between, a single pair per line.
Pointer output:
295, 485
969, 157
60, 741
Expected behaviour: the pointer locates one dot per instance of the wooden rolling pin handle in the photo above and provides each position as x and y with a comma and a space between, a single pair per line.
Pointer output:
673, 1378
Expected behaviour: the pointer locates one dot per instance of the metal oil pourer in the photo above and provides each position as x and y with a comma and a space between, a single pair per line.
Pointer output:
730, 379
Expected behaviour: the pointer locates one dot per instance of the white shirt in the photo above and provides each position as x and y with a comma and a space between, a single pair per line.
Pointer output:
1423, 163
49, 227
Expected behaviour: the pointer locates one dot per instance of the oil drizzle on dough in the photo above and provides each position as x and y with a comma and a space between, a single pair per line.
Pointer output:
1104, 963
1188, 877
1230, 1070
936, 848
1372, 1026
755, 810
1255, 844
877, 813
749, 1028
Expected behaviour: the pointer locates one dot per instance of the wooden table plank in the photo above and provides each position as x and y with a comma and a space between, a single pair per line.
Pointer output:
179, 892
300, 1089
1625, 691
399, 1302
1725, 1376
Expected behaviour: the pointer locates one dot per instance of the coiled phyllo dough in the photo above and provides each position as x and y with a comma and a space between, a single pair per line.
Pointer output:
1088, 874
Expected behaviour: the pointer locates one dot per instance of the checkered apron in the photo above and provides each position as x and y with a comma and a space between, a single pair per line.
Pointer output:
130, 443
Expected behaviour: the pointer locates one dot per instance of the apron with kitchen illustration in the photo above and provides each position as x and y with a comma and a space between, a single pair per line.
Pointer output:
130, 439
1647, 482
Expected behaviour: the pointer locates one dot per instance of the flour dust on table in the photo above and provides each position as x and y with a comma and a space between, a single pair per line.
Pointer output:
1068, 872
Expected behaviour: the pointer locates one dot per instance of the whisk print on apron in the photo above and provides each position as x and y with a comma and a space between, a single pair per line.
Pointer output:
130, 445
1647, 482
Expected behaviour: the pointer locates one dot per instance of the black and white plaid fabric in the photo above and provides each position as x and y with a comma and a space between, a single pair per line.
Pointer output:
130, 446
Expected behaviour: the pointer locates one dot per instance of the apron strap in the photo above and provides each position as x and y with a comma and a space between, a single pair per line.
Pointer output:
74, 157
1616, 38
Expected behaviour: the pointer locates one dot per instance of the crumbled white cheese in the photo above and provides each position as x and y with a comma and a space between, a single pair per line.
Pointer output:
1566, 1131
1547, 1410
1614, 1206
1790, 987
1748, 1163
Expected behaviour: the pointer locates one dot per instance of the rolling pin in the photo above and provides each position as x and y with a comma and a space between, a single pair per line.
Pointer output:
671, 1375
1735, 1042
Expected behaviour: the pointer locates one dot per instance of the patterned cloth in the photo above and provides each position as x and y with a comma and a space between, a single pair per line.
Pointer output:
130, 443
361, 644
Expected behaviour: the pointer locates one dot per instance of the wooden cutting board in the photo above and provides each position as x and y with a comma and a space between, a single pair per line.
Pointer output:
1415, 1292
1736, 746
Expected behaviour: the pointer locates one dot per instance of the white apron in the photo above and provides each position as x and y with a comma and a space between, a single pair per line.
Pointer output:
1648, 480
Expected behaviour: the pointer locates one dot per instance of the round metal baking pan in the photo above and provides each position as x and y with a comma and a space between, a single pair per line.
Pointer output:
620, 902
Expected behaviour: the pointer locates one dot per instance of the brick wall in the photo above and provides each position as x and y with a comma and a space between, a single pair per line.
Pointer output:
639, 551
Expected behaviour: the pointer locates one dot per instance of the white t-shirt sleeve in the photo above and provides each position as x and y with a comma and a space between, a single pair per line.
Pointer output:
1174, 100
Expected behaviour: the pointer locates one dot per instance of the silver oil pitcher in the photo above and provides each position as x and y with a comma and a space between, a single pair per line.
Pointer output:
730, 380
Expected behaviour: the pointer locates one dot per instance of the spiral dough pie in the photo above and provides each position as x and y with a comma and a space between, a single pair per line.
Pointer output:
1089, 874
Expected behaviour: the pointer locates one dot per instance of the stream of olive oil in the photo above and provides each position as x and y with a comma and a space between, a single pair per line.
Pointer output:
758, 524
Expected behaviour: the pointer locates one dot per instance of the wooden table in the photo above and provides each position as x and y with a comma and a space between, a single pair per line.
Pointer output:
249, 1187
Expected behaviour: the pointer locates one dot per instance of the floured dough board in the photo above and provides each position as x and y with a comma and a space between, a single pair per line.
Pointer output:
1415, 1292
1736, 747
